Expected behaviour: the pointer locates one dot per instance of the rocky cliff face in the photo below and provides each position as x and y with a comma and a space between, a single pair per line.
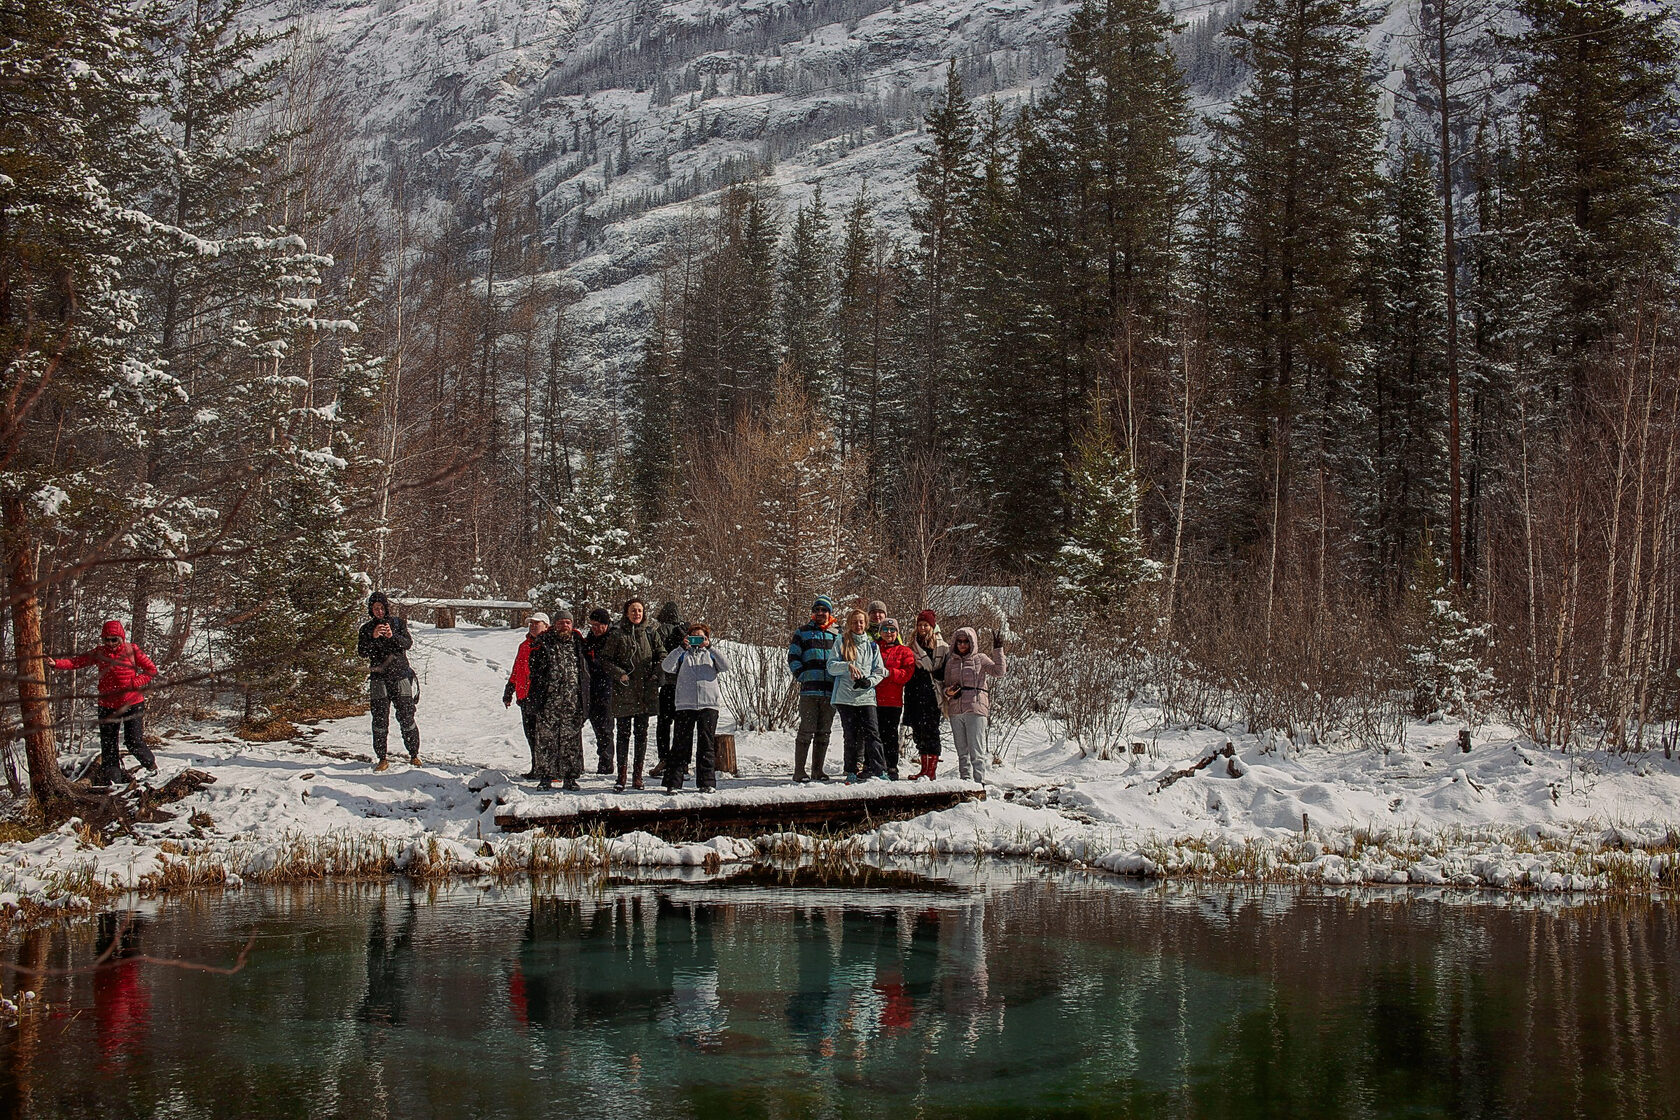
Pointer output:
626, 115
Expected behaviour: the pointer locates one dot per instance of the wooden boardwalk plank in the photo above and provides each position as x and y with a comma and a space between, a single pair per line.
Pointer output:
745, 811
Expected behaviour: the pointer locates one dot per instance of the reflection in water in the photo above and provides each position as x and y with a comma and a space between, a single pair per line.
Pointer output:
122, 1005
998, 991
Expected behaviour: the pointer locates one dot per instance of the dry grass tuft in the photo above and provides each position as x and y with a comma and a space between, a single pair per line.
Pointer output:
274, 729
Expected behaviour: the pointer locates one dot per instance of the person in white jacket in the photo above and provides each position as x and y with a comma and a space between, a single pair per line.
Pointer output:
857, 668
697, 666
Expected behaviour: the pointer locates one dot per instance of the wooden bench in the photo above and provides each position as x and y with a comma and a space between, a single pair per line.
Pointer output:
446, 608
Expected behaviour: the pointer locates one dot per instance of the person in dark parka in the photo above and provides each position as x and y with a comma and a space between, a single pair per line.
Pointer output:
673, 633
385, 641
560, 694
631, 659
923, 708
600, 689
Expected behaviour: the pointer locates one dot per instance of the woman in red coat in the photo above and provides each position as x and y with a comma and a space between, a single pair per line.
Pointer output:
124, 670
889, 694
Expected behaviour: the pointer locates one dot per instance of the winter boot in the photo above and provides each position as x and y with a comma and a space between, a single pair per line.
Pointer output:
618, 786
933, 767
637, 783
570, 785
381, 766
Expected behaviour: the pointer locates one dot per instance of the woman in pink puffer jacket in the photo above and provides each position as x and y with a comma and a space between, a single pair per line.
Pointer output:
968, 698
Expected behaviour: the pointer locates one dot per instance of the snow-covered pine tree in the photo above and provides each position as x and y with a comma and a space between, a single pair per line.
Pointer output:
75, 77
1444, 650
1298, 159
1400, 476
592, 543
944, 183
204, 292
806, 298
859, 306
1103, 562
293, 594
1599, 133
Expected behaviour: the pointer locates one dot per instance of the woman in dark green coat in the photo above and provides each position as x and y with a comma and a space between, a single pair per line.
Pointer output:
631, 656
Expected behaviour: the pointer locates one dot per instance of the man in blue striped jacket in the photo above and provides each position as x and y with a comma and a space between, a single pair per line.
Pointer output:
808, 655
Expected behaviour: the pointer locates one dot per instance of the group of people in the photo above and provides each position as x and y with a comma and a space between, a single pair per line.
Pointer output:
877, 683
623, 674
617, 677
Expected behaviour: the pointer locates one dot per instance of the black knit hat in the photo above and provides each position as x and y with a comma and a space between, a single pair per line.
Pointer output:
601, 614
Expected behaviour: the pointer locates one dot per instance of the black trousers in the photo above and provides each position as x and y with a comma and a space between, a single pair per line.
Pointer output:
628, 725
887, 721
863, 740
667, 718
688, 726
600, 718
528, 718
405, 719
129, 721
927, 738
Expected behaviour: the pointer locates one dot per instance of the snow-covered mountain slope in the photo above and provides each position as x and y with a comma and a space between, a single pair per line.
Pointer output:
629, 114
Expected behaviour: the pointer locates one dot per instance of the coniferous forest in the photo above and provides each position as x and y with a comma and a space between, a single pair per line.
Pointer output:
1346, 397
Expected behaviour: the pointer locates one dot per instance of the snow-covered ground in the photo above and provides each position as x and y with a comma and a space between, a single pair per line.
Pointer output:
1503, 815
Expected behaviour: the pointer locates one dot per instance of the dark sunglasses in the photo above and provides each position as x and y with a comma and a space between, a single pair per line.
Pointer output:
111, 641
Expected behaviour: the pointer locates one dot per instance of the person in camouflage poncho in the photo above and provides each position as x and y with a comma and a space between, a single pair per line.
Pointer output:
560, 694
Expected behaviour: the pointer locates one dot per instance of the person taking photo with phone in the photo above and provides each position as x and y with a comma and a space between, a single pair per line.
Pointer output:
696, 665
385, 641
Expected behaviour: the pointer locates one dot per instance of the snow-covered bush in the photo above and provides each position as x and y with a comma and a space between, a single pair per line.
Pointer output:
1443, 648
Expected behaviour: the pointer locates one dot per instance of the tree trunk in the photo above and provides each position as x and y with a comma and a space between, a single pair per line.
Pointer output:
52, 792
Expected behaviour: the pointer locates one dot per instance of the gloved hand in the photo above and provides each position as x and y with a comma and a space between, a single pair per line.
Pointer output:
860, 683
997, 639
507, 695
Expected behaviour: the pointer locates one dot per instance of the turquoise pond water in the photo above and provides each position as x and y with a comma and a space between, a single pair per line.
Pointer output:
964, 990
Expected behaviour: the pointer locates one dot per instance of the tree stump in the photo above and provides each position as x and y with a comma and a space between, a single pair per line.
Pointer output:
725, 762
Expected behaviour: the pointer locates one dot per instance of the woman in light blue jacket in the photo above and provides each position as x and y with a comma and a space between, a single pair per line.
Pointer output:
856, 670
698, 696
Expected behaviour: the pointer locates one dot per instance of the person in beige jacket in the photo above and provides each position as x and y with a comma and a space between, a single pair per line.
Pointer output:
968, 698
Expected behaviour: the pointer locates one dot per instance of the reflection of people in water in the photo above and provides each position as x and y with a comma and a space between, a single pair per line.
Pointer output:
807, 1007
388, 967
962, 971
897, 1009
122, 1005
595, 963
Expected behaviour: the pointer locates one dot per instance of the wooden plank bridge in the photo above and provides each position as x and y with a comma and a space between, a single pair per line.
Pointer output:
746, 809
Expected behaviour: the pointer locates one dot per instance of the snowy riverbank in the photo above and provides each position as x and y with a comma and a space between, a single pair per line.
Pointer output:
1504, 815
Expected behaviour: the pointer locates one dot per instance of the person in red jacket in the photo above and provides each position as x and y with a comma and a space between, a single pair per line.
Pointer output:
889, 694
124, 670
519, 684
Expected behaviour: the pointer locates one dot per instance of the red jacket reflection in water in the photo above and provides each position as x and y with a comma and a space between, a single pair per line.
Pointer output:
122, 1009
